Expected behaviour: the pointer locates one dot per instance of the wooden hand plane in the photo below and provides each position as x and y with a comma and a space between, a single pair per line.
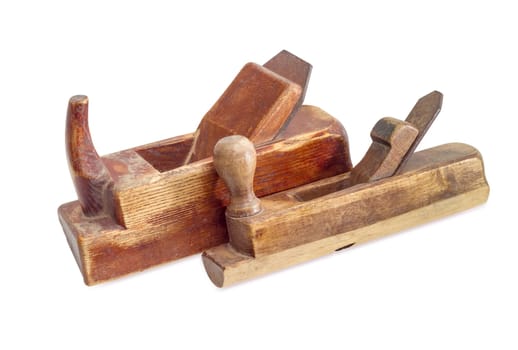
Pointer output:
390, 189
159, 202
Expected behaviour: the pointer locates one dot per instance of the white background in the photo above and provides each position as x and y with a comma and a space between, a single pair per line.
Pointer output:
151, 71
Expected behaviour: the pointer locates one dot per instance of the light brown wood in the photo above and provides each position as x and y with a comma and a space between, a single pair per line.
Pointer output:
235, 161
225, 266
319, 218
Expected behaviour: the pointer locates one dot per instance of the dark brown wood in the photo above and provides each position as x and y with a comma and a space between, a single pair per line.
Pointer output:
294, 69
167, 155
256, 105
88, 172
394, 141
422, 116
163, 210
391, 140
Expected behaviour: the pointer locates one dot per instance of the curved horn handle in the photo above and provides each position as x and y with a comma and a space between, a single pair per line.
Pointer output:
88, 172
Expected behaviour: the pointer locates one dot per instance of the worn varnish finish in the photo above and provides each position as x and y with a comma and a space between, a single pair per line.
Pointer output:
379, 196
154, 209
162, 201
293, 227
88, 172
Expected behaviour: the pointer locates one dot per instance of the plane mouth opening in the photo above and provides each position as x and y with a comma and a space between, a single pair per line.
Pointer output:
166, 155
345, 247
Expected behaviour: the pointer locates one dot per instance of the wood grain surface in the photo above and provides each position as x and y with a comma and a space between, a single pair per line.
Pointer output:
235, 161
161, 210
88, 172
258, 104
300, 224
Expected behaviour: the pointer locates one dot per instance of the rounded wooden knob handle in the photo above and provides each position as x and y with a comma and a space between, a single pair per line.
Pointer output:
234, 160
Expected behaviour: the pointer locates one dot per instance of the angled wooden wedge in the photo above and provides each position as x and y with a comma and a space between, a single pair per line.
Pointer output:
163, 201
391, 189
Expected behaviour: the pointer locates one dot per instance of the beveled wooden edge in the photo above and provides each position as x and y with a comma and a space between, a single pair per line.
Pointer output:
225, 266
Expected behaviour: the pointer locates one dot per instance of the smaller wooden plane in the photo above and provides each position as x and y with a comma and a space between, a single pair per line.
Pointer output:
391, 189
